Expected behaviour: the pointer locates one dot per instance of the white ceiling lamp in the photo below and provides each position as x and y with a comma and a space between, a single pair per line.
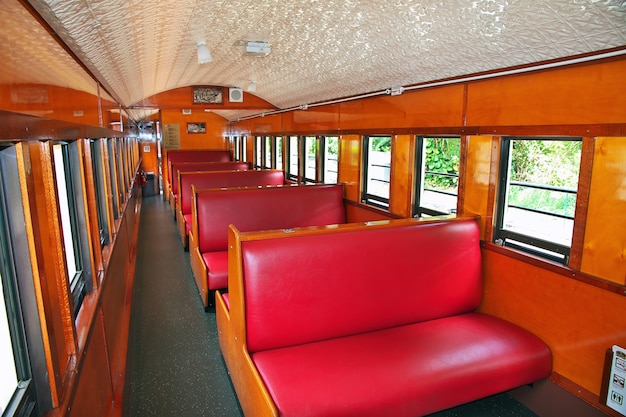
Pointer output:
204, 55
257, 48
252, 87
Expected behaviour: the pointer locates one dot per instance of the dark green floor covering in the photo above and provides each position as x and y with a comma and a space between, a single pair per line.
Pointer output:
174, 363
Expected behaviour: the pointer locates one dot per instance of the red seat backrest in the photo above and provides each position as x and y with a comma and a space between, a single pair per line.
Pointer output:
224, 179
318, 286
265, 208
204, 166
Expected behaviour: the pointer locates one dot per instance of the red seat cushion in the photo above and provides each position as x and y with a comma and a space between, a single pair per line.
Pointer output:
410, 370
217, 265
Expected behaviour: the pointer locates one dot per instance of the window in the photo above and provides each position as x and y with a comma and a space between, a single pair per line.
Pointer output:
244, 147
258, 147
310, 161
20, 337
437, 175
112, 178
99, 178
293, 173
330, 160
268, 153
537, 195
279, 152
376, 170
73, 219
236, 148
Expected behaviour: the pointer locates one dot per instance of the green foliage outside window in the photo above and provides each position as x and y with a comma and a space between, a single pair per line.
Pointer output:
441, 155
551, 163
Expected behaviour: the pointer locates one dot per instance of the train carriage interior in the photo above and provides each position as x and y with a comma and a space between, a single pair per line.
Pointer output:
510, 113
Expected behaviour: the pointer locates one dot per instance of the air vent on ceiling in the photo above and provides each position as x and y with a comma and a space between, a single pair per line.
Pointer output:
235, 95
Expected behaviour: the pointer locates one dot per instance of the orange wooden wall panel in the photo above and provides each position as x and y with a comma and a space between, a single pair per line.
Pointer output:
93, 396
577, 321
478, 179
577, 95
182, 98
441, 106
314, 119
215, 128
350, 166
149, 156
402, 175
604, 251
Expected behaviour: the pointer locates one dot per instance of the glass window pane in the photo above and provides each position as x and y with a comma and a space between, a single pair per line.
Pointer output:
66, 222
279, 152
331, 159
293, 157
310, 167
378, 167
259, 151
440, 176
541, 196
268, 152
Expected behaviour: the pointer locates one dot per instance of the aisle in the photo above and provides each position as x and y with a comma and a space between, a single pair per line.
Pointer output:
174, 363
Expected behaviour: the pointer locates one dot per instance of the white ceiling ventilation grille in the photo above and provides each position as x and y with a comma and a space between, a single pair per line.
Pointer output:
257, 48
235, 95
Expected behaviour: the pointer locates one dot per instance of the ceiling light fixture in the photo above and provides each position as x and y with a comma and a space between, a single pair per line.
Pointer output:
257, 48
204, 55
252, 87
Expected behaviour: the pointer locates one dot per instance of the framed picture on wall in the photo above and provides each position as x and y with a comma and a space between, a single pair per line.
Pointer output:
207, 95
196, 127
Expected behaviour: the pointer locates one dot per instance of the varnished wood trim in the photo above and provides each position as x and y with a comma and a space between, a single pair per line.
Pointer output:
556, 268
582, 202
496, 143
583, 394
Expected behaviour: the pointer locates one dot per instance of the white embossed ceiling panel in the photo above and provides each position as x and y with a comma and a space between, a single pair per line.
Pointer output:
322, 49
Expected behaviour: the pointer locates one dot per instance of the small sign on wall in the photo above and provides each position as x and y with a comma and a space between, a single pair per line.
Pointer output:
146, 148
614, 386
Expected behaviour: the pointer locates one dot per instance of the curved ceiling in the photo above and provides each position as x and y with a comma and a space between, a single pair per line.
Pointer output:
321, 49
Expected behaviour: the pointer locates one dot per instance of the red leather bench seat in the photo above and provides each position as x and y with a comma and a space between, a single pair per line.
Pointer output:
410, 370
371, 321
217, 179
266, 208
201, 166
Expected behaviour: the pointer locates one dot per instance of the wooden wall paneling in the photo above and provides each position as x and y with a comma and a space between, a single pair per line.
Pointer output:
91, 210
430, 107
313, 119
148, 152
350, 166
578, 321
113, 292
582, 201
215, 128
585, 94
402, 175
604, 251
48, 261
479, 178
93, 395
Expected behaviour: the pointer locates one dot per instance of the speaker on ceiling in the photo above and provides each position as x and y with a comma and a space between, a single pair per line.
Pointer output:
235, 95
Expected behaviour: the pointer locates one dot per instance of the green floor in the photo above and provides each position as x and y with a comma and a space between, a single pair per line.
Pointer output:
174, 363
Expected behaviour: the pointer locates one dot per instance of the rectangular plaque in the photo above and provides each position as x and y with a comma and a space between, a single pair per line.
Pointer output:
207, 95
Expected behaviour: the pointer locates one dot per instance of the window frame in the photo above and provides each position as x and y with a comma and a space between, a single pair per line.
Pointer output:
420, 175
536, 246
306, 140
324, 165
367, 197
289, 163
32, 391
